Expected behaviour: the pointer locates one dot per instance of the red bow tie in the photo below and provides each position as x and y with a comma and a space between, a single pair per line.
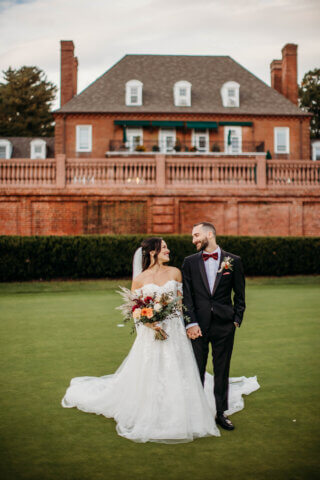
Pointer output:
205, 256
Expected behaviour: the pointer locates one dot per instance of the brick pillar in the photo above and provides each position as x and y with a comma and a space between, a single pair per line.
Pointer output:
60, 171
161, 172
231, 217
25, 216
276, 75
261, 171
69, 72
296, 218
289, 72
163, 215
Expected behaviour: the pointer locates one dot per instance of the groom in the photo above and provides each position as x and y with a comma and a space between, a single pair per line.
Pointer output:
208, 280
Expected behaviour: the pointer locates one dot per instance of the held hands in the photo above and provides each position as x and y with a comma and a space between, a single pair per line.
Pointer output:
194, 332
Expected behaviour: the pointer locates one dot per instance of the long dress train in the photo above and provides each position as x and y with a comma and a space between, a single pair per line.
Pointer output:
156, 394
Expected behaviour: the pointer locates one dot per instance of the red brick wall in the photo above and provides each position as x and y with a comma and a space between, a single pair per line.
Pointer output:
311, 218
88, 214
72, 215
104, 130
51, 217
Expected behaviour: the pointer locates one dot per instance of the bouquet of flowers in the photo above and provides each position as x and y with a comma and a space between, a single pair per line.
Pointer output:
149, 309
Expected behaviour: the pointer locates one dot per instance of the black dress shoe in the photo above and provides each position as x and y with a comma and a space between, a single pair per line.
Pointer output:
224, 422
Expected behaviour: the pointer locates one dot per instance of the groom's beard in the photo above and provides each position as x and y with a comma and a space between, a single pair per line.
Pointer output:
203, 245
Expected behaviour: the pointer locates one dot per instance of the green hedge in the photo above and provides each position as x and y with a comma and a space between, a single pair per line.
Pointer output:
100, 256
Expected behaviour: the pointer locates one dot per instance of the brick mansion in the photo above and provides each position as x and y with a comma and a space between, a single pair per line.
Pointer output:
160, 142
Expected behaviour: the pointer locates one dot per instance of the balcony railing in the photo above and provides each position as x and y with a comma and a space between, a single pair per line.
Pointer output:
158, 172
171, 146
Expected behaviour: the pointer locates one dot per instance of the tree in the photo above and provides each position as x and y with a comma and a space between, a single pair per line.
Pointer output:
25, 101
309, 99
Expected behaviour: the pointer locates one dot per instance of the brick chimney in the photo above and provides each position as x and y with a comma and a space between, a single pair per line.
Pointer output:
276, 75
284, 73
69, 72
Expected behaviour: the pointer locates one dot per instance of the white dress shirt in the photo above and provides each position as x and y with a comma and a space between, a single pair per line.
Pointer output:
212, 266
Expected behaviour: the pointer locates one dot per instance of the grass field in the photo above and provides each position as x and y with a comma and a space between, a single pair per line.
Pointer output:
53, 331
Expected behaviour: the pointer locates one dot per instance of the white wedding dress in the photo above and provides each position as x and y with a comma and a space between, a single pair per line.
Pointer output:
156, 394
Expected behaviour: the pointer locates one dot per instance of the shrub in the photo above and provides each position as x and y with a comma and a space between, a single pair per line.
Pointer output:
100, 256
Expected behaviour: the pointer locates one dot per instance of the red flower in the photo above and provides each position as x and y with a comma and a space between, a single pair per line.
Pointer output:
134, 307
147, 299
226, 266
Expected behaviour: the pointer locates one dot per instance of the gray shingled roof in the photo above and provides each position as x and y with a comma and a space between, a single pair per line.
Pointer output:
21, 146
158, 73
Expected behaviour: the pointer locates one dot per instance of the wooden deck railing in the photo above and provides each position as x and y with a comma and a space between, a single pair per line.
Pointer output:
158, 171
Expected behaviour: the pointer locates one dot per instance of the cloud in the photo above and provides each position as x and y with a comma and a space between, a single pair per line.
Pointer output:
251, 31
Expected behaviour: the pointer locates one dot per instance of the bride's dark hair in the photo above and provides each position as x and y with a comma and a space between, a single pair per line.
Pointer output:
149, 244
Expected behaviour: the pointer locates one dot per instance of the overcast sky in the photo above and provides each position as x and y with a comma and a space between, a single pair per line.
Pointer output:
250, 31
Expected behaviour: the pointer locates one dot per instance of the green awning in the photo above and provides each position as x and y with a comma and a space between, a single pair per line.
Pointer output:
235, 124
201, 125
149, 123
167, 123
133, 123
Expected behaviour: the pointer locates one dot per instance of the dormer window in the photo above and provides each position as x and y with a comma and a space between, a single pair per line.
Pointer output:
5, 149
182, 94
134, 93
38, 149
230, 94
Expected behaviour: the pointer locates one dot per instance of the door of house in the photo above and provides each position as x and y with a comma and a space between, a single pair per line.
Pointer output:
134, 138
200, 140
232, 140
167, 139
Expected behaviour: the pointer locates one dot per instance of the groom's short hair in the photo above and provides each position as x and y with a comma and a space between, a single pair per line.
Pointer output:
208, 226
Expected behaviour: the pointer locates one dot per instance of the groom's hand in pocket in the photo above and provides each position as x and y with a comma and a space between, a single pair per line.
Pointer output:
194, 332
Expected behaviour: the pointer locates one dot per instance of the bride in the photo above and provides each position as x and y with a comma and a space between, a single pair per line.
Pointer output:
156, 394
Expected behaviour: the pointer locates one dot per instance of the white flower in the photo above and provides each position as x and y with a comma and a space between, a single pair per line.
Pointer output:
157, 307
137, 313
157, 298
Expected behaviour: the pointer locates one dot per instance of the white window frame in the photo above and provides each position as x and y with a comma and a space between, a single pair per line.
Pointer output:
315, 147
8, 146
134, 84
227, 100
185, 100
163, 134
88, 148
131, 134
238, 134
195, 139
38, 143
286, 130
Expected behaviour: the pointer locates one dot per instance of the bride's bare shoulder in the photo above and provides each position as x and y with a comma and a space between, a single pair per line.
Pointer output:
138, 281
175, 274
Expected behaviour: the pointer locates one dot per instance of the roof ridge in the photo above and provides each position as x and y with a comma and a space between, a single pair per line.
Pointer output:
172, 55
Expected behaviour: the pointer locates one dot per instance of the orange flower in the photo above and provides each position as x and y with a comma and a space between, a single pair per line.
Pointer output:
147, 312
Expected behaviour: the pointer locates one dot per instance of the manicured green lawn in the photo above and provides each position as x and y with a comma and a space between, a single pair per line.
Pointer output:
53, 331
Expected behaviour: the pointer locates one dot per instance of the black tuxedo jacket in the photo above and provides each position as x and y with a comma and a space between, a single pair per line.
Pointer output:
201, 303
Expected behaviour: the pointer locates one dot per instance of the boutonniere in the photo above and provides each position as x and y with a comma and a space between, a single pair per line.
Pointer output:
226, 264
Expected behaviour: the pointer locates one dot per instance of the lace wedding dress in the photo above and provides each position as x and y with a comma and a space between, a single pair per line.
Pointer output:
156, 394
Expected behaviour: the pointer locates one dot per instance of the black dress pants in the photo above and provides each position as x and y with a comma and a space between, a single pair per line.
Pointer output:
221, 337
